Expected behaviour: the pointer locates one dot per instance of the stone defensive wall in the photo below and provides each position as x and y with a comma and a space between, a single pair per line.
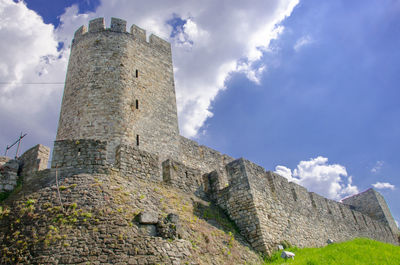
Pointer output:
269, 210
120, 89
72, 157
32, 161
266, 208
204, 158
134, 163
185, 178
8, 173
80, 156
119, 116
372, 204
91, 156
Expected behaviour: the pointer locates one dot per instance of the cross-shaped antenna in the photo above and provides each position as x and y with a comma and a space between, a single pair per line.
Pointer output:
19, 143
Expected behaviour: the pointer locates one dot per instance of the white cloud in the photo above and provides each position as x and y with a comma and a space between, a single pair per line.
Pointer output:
215, 40
29, 55
397, 223
285, 172
383, 185
320, 177
377, 167
303, 41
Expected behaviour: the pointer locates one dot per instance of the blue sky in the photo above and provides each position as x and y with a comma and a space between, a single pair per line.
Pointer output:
309, 89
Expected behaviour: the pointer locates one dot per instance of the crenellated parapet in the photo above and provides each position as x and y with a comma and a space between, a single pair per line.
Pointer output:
117, 25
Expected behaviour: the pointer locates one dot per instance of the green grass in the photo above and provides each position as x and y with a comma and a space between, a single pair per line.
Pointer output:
357, 251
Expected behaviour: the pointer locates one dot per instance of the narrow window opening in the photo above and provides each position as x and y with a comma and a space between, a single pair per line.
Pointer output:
79, 151
186, 174
137, 73
294, 194
137, 104
137, 140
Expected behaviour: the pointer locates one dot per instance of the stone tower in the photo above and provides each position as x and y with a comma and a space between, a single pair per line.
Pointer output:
120, 89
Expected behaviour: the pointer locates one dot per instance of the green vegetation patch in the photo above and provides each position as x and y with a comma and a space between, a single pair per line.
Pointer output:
357, 251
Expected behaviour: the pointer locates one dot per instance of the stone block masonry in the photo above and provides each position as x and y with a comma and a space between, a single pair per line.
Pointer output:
35, 159
371, 203
239, 202
268, 210
80, 156
203, 158
90, 156
134, 163
119, 115
29, 163
120, 89
185, 178
8, 173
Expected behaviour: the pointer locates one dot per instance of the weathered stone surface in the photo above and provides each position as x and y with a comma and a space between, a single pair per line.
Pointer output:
373, 204
204, 159
80, 156
135, 163
148, 229
119, 118
269, 210
183, 177
148, 217
169, 227
34, 159
120, 89
29, 163
96, 225
173, 218
287, 255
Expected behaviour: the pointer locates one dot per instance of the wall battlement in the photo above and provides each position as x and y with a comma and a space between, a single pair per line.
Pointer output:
98, 25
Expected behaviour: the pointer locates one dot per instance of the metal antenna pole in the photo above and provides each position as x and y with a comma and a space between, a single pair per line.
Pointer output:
19, 142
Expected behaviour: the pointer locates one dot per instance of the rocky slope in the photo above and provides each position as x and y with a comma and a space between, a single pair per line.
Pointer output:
106, 219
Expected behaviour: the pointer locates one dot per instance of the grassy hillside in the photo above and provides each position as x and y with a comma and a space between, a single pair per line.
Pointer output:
357, 251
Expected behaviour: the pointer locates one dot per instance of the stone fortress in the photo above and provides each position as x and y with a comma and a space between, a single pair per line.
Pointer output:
119, 114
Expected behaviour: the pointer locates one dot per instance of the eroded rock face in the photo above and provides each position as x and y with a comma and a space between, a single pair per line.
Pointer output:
148, 217
96, 223
30, 163
169, 227
8, 174
152, 224
92, 224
